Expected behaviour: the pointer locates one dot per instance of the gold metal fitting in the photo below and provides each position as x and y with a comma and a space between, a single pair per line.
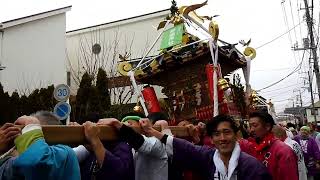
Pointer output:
223, 84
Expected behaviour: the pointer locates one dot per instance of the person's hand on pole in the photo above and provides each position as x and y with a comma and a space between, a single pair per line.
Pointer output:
194, 133
91, 132
8, 132
73, 124
146, 126
110, 122
162, 123
92, 135
87, 145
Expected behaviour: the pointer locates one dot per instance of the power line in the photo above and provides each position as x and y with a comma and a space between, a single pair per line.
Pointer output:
284, 92
290, 98
280, 100
295, 33
295, 70
287, 23
282, 88
280, 94
299, 17
277, 37
272, 69
286, 19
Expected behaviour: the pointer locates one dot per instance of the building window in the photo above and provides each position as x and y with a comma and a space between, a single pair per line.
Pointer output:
96, 49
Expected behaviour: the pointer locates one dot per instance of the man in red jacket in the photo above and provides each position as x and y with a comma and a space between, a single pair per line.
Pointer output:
278, 157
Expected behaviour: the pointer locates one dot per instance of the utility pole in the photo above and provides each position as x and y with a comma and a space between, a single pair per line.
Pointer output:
301, 113
313, 54
312, 99
301, 108
313, 46
292, 103
300, 96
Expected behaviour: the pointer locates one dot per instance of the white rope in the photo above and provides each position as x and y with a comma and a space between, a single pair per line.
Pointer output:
138, 92
7, 153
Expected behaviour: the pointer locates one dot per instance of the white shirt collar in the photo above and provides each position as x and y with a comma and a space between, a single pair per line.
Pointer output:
233, 163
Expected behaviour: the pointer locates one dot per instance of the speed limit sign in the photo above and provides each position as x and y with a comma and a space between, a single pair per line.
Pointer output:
61, 92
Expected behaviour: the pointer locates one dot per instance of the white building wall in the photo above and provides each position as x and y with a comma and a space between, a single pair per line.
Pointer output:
133, 36
34, 54
310, 117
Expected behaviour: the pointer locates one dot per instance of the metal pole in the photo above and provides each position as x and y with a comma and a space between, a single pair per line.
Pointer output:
312, 99
301, 104
300, 98
313, 47
68, 118
155, 41
293, 103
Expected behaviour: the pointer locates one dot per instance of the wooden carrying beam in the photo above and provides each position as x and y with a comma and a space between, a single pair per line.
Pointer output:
55, 134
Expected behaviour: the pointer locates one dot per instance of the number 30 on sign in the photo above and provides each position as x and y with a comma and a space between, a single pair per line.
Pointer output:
61, 92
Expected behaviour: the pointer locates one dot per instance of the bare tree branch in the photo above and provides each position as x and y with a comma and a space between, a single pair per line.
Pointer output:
89, 62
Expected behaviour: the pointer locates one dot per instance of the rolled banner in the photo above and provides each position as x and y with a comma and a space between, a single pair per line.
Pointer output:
151, 99
209, 72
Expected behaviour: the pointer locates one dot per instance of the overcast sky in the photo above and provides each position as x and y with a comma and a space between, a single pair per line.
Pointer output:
260, 20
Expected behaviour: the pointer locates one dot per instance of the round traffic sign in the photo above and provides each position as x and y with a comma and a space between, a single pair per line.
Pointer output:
62, 110
61, 92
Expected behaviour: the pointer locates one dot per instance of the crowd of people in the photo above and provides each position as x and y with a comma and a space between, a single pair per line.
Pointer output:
219, 149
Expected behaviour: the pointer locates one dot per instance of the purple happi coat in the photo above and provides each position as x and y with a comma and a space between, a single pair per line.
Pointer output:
311, 154
200, 160
117, 164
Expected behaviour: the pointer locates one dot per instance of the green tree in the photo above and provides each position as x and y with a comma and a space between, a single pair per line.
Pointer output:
15, 107
3, 106
102, 90
25, 108
82, 98
46, 98
34, 101
1, 89
94, 102
6, 109
239, 95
